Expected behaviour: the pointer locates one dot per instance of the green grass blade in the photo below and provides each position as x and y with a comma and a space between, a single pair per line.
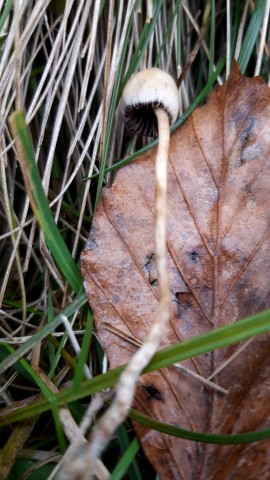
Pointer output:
218, 338
43, 333
251, 35
21, 466
88, 387
57, 355
221, 337
51, 347
58, 425
225, 439
132, 468
39, 203
16, 304
60, 352
79, 371
5, 14
212, 37
33, 375
126, 460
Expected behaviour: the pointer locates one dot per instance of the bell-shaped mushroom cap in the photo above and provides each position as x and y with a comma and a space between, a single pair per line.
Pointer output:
145, 91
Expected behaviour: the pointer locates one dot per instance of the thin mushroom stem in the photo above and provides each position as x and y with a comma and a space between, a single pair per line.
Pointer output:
126, 386
161, 219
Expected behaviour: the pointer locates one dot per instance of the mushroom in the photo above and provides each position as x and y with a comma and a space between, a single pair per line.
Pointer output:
149, 105
145, 93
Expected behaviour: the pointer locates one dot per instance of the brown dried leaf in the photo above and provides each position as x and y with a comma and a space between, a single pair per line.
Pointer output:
219, 264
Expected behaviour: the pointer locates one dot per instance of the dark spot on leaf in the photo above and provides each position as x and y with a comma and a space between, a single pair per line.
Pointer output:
189, 455
247, 140
152, 393
149, 269
150, 256
193, 256
91, 242
247, 187
182, 301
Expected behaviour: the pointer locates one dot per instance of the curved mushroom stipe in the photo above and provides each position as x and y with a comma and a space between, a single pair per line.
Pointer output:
149, 96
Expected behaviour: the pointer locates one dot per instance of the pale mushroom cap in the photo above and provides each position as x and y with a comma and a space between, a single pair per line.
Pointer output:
145, 91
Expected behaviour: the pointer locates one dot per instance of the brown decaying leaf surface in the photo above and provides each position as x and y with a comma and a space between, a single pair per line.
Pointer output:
219, 265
